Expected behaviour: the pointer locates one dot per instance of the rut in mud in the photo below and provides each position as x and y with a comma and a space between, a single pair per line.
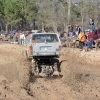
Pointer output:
80, 81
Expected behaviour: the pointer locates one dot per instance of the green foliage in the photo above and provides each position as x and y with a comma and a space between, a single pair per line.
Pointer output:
15, 10
47, 12
1, 8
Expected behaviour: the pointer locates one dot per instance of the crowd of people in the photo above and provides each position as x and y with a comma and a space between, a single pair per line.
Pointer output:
18, 37
85, 38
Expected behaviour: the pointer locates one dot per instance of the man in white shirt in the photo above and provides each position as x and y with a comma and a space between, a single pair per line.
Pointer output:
22, 38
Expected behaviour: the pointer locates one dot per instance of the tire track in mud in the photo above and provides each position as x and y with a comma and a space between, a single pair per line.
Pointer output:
25, 74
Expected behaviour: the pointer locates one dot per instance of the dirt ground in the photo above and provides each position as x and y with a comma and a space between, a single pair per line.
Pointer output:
80, 80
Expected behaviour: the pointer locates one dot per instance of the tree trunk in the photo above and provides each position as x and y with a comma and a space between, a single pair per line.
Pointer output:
11, 27
68, 15
1, 27
55, 26
42, 26
6, 28
82, 13
69, 11
82, 16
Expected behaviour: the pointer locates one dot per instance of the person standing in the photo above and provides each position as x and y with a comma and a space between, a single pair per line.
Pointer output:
70, 30
91, 24
77, 30
89, 41
82, 39
22, 37
11, 38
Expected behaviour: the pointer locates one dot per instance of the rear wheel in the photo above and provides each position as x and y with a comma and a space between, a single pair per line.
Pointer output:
56, 67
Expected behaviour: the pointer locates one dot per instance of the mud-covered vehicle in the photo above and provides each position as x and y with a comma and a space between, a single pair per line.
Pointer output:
44, 50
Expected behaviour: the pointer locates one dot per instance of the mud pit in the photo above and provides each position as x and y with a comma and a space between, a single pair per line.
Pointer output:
80, 81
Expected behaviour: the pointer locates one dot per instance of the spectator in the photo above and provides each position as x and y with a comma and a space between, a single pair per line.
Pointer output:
70, 30
82, 39
11, 37
59, 34
89, 41
14, 32
77, 30
22, 38
91, 24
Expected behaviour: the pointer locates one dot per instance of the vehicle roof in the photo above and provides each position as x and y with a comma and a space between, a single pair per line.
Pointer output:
44, 33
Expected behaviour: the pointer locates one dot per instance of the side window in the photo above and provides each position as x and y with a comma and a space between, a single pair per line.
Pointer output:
34, 39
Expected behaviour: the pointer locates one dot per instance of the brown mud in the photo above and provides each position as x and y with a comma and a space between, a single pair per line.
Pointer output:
80, 78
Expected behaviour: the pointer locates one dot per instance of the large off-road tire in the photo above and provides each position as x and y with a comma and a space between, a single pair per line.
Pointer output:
56, 66
34, 68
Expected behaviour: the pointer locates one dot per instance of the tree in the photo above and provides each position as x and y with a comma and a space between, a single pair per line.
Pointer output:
15, 11
48, 13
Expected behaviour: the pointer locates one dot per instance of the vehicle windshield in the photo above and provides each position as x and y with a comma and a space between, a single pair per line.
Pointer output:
40, 38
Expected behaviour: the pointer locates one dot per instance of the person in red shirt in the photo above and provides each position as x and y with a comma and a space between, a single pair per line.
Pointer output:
89, 41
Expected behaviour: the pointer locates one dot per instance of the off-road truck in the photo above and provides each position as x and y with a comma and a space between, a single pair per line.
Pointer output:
45, 48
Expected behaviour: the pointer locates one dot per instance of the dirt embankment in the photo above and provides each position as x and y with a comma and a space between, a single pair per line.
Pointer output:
80, 81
